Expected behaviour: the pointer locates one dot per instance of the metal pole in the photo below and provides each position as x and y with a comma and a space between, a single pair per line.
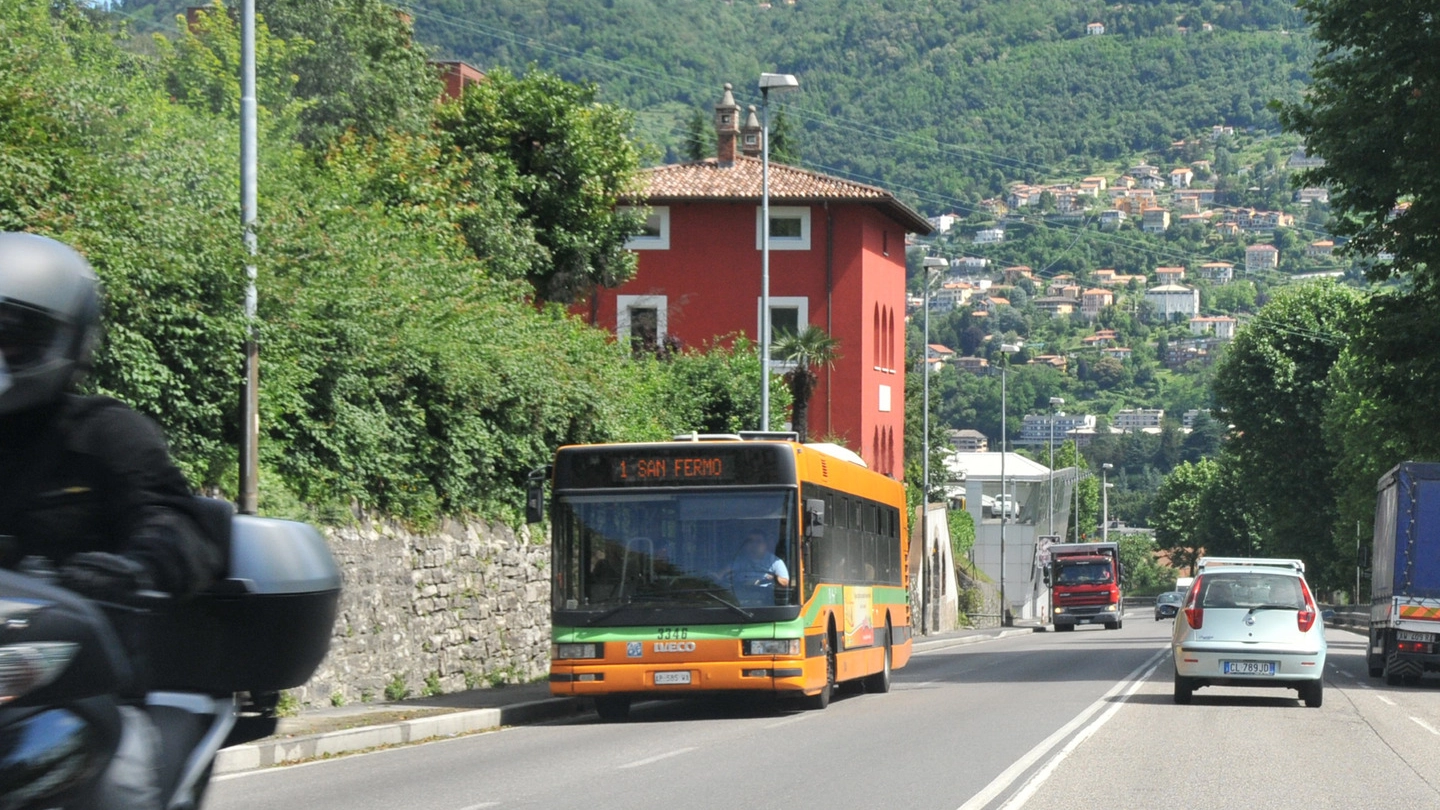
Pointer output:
925, 458
1105, 508
249, 149
1077, 494
765, 259
1052, 473
1004, 450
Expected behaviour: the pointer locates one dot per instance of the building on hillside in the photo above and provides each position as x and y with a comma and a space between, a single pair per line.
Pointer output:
1169, 275
1181, 177
1261, 257
455, 76
1218, 272
837, 256
1058, 306
1099, 340
969, 441
1320, 249
1312, 194
1174, 299
974, 365
1221, 326
1038, 427
1111, 219
1056, 361
1154, 220
989, 236
1092, 302
1133, 420
1094, 29
944, 222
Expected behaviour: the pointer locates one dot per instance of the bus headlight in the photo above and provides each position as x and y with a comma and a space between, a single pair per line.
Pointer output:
772, 646
572, 651
27, 667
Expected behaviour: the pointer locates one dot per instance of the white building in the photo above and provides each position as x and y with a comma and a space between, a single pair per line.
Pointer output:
1169, 299
989, 236
1037, 428
1221, 326
1134, 420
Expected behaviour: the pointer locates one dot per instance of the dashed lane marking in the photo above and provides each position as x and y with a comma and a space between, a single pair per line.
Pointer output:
1385, 700
658, 757
1426, 726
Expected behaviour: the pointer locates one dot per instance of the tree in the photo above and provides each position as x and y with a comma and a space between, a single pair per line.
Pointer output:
1371, 112
1271, 385
568, 160
783, 146
1177, 514
812, 348
699, 140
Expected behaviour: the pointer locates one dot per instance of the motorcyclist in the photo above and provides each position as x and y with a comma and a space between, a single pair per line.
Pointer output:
86, 481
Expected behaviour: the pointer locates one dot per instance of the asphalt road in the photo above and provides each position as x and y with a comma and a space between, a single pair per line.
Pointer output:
1044, 720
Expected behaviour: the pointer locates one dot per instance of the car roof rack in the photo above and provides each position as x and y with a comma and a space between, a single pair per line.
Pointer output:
1297, 566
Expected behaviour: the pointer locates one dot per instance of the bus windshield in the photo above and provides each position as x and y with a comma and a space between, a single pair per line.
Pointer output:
724, 550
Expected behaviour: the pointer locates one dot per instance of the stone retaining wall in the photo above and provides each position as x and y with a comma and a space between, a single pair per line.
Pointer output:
456, 608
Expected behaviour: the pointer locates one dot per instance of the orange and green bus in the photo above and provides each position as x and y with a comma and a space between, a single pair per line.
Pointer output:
708, 564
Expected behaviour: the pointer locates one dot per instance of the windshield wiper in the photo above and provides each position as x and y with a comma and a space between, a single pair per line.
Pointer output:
727, 603
1274, 607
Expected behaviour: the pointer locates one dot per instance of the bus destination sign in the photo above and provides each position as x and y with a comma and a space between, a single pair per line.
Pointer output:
672, 469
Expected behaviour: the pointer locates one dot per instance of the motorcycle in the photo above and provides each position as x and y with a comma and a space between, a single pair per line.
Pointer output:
206, 674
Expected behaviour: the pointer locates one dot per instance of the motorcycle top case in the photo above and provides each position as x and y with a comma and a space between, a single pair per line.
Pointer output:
265, 627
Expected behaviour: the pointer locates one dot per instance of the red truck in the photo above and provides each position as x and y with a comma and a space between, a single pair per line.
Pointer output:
1084, 581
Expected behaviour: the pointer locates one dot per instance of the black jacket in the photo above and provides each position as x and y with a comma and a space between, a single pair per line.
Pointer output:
94, 475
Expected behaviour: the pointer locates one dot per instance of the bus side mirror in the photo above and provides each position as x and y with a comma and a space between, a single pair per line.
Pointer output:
814, 517
535, 495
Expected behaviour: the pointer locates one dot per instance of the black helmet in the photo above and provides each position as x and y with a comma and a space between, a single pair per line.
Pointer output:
49, 318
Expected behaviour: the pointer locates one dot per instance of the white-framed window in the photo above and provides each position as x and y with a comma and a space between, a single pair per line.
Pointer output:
641, 320
656, 233
789, 227
884, 399
787, 314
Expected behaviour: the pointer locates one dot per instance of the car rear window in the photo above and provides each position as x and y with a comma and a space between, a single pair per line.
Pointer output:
1245, 589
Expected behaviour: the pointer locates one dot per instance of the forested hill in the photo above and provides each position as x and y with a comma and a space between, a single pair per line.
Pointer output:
951, 99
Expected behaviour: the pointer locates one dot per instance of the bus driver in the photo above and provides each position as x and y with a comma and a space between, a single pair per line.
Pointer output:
756, 571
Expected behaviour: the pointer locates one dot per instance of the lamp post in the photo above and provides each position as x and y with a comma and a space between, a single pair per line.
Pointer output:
930, 264
249, 148
1005, 349
1105, 501
779, 82
1055, 403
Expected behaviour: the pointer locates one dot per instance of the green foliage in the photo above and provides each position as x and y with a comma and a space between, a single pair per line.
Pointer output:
962, 532
808, 351
396, 688
432, 686
1271, 385
288, 705
566, 161
1375, 83
1144, 574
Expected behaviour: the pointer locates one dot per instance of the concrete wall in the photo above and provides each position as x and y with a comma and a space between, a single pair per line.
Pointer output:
462, 605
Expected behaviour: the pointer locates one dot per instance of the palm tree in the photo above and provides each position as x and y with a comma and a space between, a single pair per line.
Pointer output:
808, 351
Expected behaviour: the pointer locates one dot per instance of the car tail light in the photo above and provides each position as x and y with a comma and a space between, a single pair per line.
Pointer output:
1306, 615
1194, 614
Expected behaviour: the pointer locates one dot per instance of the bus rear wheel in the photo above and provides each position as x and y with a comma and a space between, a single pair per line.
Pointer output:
612, 708
879, 683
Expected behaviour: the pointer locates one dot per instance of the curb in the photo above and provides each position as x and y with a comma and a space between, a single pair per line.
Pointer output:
943, 643
265, 754
317, 746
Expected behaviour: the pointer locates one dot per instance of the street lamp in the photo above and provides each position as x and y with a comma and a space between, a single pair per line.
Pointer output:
1005, 348
779, 82
1105, 501
1055, 403
930, 264
249, 149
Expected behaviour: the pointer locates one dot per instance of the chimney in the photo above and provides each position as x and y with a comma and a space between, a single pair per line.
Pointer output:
750, 135
727, 126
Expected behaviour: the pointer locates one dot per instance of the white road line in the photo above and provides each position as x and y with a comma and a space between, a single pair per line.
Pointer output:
791, 720
1342, 672
1007, 777
1426, 726
481, 806
651, 760
1385, 700
1022, 796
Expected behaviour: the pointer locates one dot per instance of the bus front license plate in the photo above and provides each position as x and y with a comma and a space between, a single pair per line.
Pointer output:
671, 678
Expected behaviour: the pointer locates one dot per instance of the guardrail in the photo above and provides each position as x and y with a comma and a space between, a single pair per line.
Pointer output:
1349, 616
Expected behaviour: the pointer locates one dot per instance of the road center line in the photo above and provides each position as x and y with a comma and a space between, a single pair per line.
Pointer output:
1426, 726
651, 760
1007, 777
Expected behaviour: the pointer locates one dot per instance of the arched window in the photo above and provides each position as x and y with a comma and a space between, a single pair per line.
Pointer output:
879, 358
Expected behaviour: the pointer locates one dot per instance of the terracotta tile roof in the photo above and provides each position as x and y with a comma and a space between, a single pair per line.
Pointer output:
709, 179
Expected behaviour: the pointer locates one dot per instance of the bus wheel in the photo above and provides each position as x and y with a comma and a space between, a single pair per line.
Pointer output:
612, 708
821, 700
879, 683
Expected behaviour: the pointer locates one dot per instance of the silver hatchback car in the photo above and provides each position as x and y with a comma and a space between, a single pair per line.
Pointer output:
1250, 622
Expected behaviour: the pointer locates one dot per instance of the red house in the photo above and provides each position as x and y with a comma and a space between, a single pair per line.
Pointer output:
837, 260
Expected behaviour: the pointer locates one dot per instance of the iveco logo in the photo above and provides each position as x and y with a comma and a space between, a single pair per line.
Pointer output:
674, 646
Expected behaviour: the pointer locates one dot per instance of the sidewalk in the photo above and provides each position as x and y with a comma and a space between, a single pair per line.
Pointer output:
324, 732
